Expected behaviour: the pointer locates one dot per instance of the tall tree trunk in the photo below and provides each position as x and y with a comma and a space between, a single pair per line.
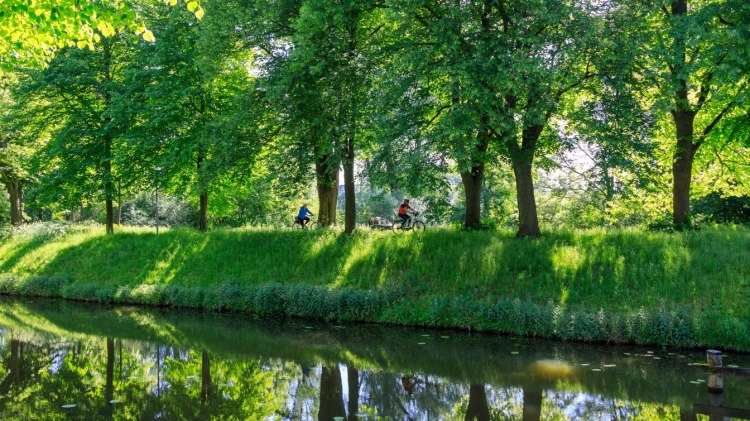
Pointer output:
110, 217
108, 182
108, 187
532, 404
472, 182
327, 179
352, 377
474, 177
16, 201
203, 215
119, 204
478, 409
682, 166
522, 159
528, 222
683, 117
203, 223
331, 394
350, 207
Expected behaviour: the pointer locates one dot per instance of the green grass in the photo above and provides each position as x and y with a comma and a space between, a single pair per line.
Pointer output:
686, 289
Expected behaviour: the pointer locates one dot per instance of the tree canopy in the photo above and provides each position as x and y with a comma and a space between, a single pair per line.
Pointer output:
485, 112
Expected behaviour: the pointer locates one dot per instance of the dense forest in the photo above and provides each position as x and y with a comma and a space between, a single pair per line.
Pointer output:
580, 113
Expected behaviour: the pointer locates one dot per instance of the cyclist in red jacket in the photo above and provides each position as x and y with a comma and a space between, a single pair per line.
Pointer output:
403, 211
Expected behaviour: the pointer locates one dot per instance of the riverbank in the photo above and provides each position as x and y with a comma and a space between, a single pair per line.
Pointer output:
684, 290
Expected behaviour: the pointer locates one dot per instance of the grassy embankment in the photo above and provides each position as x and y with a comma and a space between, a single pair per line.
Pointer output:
689, 289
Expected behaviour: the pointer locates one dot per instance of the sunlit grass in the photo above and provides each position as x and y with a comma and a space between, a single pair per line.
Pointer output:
619, 271
610, 269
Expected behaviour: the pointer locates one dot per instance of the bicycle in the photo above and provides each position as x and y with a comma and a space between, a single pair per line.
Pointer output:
413, 223
297, 224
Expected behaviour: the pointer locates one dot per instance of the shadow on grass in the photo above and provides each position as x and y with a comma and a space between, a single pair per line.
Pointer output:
20, 251
189, 258
593, 269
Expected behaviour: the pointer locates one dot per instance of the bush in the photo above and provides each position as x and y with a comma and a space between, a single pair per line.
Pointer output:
173, 212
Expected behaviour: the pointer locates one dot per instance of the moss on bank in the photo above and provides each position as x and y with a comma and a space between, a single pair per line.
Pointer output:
688, 289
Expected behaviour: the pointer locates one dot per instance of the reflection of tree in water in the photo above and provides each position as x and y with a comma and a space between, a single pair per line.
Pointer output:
303, 383
106, 380
147, 381
433, 398
331, 393
568, 405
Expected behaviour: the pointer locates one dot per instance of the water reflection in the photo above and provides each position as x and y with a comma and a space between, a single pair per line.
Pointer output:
61, 360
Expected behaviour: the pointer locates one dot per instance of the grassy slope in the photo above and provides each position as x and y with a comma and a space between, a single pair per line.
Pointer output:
618, 271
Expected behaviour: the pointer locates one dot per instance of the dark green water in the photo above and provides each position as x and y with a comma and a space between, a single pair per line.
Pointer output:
61, 360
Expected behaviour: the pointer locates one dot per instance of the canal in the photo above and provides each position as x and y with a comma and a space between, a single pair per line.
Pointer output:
63, 360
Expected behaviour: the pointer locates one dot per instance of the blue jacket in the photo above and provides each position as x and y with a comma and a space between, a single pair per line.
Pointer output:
303, 212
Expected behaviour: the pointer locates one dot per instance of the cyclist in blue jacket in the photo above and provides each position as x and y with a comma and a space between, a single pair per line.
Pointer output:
303, 215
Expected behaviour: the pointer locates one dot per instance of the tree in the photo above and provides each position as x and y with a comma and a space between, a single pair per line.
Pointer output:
86, 119
184, 87
323, 80
696, 55
13, 157
32, 31
492, 74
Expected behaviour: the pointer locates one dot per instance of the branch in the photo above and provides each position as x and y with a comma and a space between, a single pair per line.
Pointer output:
715, 121
587, 75
437, 114
666, 11
726, 22
375, 31
706, 85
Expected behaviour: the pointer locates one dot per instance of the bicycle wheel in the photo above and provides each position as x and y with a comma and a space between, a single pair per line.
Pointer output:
296, 225
418, 226
396, 227
313, 225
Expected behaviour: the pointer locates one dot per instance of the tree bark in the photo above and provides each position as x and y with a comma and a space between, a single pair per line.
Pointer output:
331, 394
682, 166
684, 118
203, 221
350, 207
473, 178
478, 409
522, 159
16, 201
119, 204
110, 217
472, 182
327, 179
528, 221
108, 184
203, 199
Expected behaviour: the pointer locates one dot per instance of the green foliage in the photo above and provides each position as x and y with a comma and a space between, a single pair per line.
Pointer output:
30, 32
733, 209
173, 212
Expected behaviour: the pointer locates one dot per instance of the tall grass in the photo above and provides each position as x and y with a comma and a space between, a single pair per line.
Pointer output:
684, 289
